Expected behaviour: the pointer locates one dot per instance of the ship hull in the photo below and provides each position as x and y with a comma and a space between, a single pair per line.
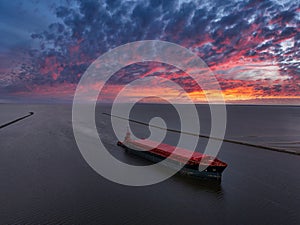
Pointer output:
210, 172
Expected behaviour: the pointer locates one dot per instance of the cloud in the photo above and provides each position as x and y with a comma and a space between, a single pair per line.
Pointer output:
246, 41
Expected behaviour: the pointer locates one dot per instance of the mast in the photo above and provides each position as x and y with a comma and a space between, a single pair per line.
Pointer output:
127, 136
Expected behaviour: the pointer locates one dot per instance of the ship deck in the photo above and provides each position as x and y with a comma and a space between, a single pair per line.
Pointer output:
177, 153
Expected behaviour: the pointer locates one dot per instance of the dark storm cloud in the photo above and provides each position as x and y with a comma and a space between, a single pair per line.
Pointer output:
288, 32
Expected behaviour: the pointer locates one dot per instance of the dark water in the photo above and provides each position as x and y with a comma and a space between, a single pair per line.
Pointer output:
45, 180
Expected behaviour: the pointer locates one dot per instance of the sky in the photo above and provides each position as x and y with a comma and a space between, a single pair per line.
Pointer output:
251, 46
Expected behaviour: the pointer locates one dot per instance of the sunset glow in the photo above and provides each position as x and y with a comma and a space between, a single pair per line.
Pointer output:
252, 50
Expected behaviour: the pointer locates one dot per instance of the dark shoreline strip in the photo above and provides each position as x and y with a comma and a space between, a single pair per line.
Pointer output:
207, 136
16, 120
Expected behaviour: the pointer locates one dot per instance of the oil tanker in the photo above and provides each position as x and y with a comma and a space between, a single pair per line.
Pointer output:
188, 161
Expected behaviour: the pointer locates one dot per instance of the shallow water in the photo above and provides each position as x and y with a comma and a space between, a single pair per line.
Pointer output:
45, 180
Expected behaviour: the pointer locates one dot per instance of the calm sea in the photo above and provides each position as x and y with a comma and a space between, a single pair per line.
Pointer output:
45, 180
